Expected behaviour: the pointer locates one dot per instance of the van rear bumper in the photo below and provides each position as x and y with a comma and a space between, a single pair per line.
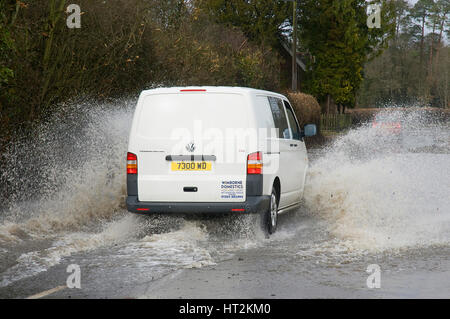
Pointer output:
253, 205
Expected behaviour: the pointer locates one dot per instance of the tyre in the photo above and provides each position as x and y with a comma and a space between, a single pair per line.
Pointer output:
269, 217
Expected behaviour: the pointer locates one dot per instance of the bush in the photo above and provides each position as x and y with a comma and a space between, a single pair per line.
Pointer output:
306, 108
200, 52
117, 53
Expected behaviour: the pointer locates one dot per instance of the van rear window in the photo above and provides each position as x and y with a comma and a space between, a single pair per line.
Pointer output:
162, 113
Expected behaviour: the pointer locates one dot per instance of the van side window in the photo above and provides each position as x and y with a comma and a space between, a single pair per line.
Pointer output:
295, 130
279, 117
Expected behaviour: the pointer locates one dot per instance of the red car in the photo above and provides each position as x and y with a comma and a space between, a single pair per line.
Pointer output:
388, 123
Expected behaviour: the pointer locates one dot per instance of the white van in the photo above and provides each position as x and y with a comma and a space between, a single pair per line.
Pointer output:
216, 150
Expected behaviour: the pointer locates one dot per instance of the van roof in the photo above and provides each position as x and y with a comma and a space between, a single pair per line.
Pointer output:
215, 89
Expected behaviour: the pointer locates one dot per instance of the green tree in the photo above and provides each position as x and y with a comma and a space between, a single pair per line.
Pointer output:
262, 21
336, 34
438, 14
6, 48
402, 18
420, 13
411, 78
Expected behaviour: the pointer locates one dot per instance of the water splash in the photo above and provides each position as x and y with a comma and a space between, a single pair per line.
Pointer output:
66, 185
380, 191
69, 175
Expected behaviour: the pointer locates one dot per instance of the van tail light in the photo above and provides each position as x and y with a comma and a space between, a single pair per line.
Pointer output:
131, 163
254, 163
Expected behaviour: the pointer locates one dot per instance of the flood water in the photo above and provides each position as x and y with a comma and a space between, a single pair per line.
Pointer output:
370, 198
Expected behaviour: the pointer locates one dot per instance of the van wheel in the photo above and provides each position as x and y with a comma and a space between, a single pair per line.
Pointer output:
270, 216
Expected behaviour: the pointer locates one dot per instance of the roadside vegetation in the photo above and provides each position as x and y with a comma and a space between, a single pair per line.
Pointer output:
415, 68
306, 108
122, 47
125, 46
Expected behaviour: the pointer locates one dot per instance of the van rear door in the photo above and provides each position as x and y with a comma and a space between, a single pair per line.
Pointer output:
189, 147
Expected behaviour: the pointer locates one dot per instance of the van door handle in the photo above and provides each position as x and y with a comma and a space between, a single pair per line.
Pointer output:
293, 145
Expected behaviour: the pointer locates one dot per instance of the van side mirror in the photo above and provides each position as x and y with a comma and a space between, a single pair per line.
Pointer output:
310, 130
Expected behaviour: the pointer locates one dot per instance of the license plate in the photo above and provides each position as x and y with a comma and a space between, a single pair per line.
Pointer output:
191, 166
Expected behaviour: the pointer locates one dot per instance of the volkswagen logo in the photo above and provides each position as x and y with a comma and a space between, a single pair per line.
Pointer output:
190, 147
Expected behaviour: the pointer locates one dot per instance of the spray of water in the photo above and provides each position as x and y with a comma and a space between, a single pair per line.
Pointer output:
66, 185
380, 191
69, 175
